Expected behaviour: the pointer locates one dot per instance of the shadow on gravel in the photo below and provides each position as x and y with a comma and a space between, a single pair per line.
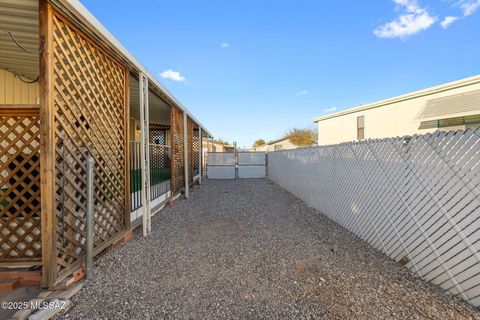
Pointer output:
248, 249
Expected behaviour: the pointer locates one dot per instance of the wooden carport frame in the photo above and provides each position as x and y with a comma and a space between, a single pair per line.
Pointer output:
80, 103
84, 109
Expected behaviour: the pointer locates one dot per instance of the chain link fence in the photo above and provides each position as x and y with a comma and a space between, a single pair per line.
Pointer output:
414, 198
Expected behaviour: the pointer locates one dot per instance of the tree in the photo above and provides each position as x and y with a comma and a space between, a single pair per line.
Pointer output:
258, 142
302, 136
220, 141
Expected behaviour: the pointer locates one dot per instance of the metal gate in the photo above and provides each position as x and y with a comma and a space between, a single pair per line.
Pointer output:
236, 165
251, 165
221, 165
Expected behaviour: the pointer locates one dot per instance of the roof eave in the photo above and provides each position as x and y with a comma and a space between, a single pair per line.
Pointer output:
416, 94
96, 26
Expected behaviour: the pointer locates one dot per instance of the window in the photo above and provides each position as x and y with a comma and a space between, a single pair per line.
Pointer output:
278, 147
472, 121
361, 127
452, 123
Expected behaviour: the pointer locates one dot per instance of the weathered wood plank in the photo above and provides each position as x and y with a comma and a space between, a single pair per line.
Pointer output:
47, 146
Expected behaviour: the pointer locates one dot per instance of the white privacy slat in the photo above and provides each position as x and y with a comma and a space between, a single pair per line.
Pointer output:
415, 197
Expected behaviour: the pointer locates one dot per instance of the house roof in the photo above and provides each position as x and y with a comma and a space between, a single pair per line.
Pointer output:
20, 17
421, 93
99, 29
278, 140
272, 142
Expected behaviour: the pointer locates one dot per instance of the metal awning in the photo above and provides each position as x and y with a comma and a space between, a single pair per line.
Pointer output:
159, 110
459, 105
19, 19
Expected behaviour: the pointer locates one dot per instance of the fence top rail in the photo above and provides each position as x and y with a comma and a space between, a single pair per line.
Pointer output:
257, 152
221, 152
406, 139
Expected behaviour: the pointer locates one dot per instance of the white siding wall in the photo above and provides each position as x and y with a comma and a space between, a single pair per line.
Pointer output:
14, 91
286, 145
391, 120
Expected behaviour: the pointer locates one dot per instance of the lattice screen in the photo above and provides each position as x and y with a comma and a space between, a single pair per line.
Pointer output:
89, 102
196, 151
160, 166
20, 230
159, 134
178, 173
417, 199
190, 149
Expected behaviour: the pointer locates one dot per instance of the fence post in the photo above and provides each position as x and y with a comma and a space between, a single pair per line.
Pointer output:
185, 151
200, 155
90, 221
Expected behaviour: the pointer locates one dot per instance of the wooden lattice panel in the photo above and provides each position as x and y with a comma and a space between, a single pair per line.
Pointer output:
89, 109
20, 230
196, 151
159, 134
178, 173
190, 150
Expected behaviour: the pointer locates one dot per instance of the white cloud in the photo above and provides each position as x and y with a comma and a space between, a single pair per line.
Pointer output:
469, 6
224, 45
172, 75
447, 21
302, 93
412, 20
330, 109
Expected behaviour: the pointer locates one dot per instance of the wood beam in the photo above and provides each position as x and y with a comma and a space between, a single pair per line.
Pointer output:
47, 147
127, 151
172, 155
200, 169
185, 152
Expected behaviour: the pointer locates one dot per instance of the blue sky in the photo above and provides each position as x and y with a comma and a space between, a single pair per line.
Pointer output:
254, 69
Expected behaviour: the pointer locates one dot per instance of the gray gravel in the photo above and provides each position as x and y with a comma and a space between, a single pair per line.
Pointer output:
248, 249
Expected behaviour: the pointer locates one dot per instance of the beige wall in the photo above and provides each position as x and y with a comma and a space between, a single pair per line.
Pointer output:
286, 145
134, 134
216, 147
390, 120
263, 147
14, 91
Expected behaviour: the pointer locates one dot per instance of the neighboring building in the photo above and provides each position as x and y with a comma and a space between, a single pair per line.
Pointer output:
451, 106
276, 145
212, 146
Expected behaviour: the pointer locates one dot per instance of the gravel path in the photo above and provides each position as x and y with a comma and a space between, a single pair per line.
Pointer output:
248, 250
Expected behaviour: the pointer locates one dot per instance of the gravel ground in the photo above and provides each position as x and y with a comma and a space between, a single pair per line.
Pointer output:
248, 250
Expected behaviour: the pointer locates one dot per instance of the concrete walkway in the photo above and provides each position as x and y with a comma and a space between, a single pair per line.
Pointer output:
247, 250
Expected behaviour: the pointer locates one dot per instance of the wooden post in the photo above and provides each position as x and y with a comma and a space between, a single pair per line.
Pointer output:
127, 151
200, 155
185, 152
145, 154
172, 155
47, 147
